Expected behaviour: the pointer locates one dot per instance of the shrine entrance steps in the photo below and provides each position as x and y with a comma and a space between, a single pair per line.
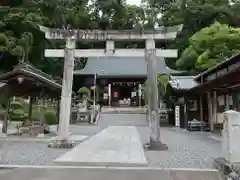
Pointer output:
106, 173
123, 110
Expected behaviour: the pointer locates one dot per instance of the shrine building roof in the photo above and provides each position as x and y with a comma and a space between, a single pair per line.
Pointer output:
119, 66
182, 83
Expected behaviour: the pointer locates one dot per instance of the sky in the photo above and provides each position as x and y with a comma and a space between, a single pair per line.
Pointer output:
136, 2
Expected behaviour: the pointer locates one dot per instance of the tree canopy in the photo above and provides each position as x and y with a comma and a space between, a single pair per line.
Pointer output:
210, 46
195, 15
20, 37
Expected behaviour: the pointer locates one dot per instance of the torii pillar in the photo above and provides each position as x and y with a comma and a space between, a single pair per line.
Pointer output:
150, 53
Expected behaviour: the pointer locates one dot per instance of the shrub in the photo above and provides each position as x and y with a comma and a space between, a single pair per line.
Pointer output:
35, 114
84, 93
50, 117
16, 105
18, 115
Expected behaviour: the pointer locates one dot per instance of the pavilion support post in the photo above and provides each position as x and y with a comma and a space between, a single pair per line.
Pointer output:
6, 116
185, 108
58, 112
214, 108
30, 108
201, 111
140, 95
210, 111
227, 106
41, 134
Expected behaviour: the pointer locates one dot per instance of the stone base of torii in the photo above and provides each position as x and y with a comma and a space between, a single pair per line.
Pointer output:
69, 54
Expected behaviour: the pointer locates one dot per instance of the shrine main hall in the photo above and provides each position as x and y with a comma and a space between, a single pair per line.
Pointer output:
119, 80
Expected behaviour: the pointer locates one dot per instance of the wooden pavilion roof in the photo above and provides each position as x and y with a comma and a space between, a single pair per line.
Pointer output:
26, 80
222, 76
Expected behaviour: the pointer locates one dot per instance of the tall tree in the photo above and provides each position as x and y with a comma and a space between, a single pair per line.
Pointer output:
210, 46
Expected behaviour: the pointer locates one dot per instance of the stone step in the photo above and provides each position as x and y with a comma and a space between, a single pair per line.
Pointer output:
123, 110
114, 146
95, 173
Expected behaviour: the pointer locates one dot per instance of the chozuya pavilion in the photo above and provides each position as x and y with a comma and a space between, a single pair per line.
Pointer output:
118, 80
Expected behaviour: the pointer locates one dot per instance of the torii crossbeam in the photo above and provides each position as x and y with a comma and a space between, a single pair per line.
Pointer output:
70, 53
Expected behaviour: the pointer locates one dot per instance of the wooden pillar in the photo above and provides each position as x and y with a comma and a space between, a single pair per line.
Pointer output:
201, 111
185, 110
139, 94
6, 115
30, 108
42, 113
227, 102
210, 110
58, 112
214, 107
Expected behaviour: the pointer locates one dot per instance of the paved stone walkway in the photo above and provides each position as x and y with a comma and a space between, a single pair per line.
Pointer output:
114, 146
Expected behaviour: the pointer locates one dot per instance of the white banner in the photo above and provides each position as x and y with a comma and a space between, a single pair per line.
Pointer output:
177, 116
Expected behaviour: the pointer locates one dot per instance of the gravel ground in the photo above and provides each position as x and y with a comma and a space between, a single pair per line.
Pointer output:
28, 153
186, 149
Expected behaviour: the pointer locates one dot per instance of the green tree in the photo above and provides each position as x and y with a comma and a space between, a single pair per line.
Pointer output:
162, 85
194, 15
210, 46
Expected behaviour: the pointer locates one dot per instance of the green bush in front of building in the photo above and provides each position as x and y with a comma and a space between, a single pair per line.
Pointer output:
50, 117
16, 112
84, 93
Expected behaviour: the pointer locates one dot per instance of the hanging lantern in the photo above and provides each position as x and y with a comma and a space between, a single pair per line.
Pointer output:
20, 79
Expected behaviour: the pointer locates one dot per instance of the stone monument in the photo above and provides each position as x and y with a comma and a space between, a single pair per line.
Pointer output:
230, 136
229, 164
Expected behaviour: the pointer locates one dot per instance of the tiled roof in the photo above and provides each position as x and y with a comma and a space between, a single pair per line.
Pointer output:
2, 84
118, 66
183, 82
28, 69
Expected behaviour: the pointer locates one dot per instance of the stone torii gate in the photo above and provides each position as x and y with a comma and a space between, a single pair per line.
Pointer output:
70, 53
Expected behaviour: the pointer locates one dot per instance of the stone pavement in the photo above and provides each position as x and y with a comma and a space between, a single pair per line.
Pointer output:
114, 146
72, 173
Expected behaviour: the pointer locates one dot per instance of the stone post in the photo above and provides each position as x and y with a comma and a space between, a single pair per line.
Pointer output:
66, 96
153, 104
231, 133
